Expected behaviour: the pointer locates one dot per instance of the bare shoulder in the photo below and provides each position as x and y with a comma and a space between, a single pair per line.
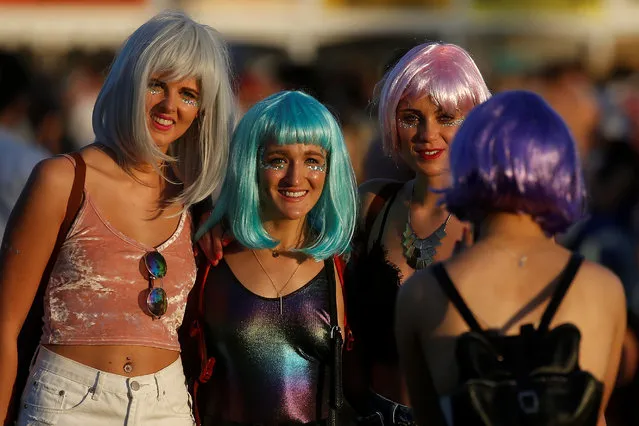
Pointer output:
53, 176
369, 190
603, 286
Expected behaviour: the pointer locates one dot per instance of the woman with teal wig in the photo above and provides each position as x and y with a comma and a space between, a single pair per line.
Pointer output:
272, 310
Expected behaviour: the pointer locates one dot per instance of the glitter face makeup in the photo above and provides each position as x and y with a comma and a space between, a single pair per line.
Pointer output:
278, 164
171, 108
453, 123
187, 95
413, 121
424, 132
292, 179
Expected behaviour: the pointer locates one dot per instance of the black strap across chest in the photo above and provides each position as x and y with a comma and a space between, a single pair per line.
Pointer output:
384, 198
565, 279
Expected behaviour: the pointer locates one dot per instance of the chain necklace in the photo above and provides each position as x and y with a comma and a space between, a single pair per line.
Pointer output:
521, 258
420, 252
278, 292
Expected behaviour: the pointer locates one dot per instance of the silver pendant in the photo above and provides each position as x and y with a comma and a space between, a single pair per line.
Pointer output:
420, 252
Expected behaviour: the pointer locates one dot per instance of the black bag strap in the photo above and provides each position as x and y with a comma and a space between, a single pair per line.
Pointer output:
448, 287
565, 280
336, 398
29, 337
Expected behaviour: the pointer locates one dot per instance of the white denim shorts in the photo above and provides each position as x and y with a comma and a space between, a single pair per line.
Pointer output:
60, 391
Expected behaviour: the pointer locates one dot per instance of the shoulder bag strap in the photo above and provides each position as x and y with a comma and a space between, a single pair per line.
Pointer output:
336, 392
29, 337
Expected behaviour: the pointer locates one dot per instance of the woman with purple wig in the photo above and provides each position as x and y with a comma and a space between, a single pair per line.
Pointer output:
403, 226
515, 329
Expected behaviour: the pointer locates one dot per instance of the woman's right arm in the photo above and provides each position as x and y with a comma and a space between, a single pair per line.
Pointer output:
26, 247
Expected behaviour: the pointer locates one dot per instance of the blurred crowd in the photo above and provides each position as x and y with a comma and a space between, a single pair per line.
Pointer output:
46, 110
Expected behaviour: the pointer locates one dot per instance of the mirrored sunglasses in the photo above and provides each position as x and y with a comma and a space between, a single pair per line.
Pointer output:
156, 299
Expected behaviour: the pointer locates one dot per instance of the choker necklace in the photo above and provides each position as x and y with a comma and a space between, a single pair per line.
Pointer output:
420, 252
278, 292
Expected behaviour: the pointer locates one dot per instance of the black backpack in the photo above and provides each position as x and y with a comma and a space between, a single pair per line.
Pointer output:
530, 379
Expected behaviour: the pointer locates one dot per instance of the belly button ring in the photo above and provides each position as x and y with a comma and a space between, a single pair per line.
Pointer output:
128, 368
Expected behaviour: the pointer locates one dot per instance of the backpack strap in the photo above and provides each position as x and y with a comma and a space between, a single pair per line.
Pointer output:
565, 279
29, 337
448, 287
336, 397
387, 193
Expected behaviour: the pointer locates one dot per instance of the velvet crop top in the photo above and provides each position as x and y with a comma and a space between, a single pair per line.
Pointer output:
96, 291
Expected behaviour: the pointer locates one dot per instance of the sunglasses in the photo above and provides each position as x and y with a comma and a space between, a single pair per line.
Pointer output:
156, 300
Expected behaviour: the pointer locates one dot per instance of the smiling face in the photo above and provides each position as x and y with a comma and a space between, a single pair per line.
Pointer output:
171, 108
424, 133
291, 179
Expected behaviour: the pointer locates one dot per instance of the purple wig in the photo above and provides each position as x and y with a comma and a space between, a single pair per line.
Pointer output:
444, 72
514, 153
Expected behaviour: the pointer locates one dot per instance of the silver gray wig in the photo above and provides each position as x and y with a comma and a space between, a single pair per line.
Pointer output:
172, 44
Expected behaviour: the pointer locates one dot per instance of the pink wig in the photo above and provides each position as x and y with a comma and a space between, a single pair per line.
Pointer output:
444, 72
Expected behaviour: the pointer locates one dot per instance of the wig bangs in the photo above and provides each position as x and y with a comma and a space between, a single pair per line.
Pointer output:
298, 121
186, 57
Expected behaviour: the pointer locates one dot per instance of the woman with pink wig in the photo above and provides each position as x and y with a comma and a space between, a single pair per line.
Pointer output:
403, 226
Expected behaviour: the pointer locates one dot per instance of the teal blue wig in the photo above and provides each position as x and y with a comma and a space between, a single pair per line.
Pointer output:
288, 118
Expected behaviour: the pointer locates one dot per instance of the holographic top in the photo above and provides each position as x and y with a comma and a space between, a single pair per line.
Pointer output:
271, 369
95, 294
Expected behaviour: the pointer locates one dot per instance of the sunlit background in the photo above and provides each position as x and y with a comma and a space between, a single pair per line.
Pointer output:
581, 55
337, 50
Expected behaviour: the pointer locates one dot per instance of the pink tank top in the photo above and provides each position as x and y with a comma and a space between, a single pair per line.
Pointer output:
96, 291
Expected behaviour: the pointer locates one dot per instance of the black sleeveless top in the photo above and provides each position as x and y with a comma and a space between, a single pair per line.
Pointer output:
372, 285
272, 368
532, 378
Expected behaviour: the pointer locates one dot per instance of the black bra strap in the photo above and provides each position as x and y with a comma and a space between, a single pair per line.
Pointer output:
379, 201
565, 279
449, 288
386, 211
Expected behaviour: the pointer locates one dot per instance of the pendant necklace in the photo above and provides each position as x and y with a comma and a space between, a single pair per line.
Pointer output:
420, 252
521, 258
278, 292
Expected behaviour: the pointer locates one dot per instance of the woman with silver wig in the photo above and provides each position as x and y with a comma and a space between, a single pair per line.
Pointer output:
107, 233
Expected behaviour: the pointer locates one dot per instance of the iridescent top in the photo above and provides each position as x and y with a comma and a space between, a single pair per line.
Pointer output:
96, 289
271, 369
